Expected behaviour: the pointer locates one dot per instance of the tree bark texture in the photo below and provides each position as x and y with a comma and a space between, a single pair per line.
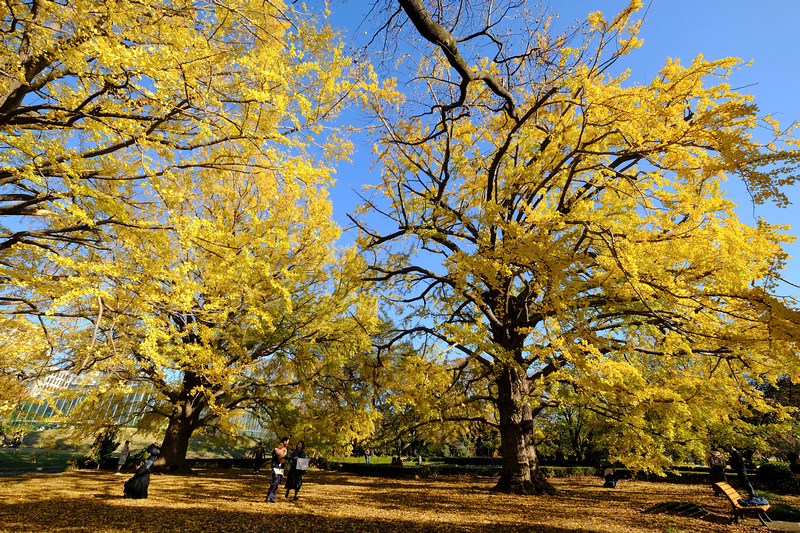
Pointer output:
520, 473
184, 420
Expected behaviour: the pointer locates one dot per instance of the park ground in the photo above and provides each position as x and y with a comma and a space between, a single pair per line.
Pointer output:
232, 500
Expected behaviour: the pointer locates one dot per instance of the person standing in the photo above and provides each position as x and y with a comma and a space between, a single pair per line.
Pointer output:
123, 457
154, 449
716, 463
276, 473
294, 481
794, 464
258, 457
737, 463
367, 455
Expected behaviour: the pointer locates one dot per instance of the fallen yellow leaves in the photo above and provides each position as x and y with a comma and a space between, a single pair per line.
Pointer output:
233, 501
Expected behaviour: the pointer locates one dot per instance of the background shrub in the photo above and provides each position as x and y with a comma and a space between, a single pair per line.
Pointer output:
777, 477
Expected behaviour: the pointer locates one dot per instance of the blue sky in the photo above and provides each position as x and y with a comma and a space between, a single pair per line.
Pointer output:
764, 32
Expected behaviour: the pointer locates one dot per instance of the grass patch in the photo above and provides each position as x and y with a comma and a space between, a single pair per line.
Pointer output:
784, 512
43, 450
28, 459
383, 460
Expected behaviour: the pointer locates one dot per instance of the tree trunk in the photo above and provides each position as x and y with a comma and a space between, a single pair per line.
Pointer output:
520, 473
182, 423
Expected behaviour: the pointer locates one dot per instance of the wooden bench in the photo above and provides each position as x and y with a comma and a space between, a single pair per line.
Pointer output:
739, 510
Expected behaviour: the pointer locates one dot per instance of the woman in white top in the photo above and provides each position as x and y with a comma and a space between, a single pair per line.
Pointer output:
123, 457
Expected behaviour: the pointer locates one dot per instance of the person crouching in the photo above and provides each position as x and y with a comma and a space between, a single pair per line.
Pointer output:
136, 487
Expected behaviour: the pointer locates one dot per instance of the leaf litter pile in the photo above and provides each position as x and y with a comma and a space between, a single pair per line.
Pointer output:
233, 500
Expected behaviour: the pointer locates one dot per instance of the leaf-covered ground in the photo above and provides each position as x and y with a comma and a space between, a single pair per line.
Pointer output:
233, 500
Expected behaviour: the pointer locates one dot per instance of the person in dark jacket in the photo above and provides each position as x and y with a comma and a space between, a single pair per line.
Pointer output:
136, 487
258, 457
794, 464
154, 449
295, 479
737, 463
609, 477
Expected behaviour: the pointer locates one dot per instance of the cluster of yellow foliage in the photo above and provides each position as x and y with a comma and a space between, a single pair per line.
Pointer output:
562, 228
174, 161
24, 353
566, 231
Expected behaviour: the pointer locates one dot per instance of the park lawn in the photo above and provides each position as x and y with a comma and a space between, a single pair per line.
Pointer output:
233, 500
27, 459
374, 460
47, 449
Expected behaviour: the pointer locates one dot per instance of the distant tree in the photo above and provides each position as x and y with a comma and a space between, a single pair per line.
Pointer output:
573, 431
104, 444
24, 355
770, 433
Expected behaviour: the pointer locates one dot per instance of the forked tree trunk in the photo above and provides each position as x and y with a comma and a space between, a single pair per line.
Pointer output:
182, 423
520, 473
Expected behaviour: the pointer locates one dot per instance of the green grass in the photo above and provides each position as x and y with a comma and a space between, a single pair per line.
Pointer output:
47, 449
41, 450
27, 458
383, 460
784, 513
779, 510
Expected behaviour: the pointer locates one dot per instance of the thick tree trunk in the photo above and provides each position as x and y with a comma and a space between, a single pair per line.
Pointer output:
520, 473
182, 423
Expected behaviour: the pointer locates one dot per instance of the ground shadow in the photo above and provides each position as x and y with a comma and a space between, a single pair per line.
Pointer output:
689, 510
105, 497
86, 515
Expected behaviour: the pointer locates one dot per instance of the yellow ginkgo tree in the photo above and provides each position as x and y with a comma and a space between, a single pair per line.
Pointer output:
560, 230
236, 301
163, 194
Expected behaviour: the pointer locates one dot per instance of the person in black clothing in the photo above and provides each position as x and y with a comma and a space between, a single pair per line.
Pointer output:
294, 481
136, 487
737, 463
276, 473
609, 477
794, 464
258, 456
